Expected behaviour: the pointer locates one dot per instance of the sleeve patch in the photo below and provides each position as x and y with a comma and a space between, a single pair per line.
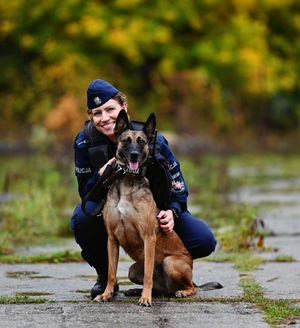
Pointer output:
83, 170
177, 186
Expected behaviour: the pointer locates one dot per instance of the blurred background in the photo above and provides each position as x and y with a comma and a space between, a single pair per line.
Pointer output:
221, 76
226, 70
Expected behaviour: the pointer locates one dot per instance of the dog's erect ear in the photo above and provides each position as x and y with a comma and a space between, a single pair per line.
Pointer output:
150, 125
122, 123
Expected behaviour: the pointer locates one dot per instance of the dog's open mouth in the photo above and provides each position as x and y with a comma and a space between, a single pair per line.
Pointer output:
133, 165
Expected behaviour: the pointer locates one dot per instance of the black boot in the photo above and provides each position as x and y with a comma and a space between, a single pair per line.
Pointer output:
100, 286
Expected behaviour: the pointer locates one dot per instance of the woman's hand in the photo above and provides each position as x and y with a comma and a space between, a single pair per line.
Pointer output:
166, 221
110, 162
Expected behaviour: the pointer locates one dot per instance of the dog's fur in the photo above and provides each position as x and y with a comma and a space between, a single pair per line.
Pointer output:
163, 264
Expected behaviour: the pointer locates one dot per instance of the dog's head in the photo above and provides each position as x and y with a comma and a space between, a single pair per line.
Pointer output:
132, 150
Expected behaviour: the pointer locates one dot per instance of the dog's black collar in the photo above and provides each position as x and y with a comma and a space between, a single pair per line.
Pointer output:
141, 171
120, 170
106, 180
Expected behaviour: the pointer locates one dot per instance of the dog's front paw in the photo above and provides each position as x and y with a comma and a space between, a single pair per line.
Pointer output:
144, 301
103, 297
98, 299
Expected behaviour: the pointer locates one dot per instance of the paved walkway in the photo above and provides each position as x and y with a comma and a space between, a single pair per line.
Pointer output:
69, 284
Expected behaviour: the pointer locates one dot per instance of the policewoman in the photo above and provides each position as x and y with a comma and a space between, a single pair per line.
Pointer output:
95, 148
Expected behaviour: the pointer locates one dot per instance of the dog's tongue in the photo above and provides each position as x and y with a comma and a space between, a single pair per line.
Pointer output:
133, 165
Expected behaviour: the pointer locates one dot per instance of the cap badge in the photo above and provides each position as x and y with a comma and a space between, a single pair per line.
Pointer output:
97, 101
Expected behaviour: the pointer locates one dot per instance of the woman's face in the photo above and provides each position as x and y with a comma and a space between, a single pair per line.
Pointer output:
104, 117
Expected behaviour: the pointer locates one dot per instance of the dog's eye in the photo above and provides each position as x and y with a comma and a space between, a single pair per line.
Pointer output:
125, 141
141, 141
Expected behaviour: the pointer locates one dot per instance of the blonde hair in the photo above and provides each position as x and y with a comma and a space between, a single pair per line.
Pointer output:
121, 98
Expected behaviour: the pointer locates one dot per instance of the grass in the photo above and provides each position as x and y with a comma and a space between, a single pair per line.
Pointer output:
284, 258
57, 257
23, 300
43, 193
277, 311
243, 261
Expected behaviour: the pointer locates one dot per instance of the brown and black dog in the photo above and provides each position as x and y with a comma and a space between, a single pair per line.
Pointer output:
163, 264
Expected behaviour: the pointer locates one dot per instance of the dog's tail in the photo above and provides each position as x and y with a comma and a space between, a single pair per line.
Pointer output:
209, 286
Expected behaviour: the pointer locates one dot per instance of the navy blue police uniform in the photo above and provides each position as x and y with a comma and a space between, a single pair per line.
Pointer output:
90, 232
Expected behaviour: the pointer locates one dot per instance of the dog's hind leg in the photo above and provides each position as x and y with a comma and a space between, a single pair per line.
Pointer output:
135, 275
160, 281
180, 274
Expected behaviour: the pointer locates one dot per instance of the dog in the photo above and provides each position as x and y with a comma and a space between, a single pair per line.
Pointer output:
163, 264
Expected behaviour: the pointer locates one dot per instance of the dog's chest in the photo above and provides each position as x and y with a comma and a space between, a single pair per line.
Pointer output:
130, 213
130, 205
130, 195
